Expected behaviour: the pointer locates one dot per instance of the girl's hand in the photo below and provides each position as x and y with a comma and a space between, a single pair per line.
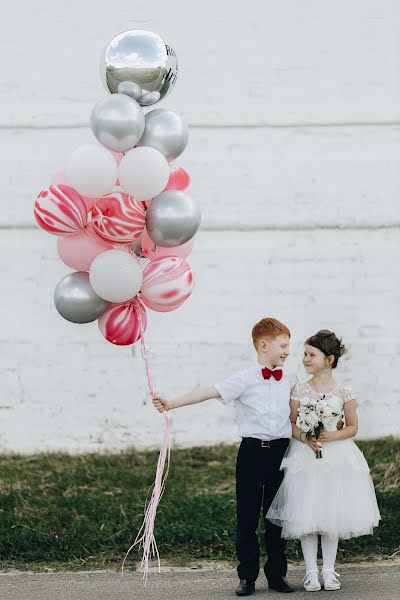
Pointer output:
161, 404
327, 436
314, 444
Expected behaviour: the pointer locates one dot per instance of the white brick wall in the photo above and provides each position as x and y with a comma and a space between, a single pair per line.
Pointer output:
294, 150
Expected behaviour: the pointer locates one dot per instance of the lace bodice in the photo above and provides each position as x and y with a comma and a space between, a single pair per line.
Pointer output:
336, 398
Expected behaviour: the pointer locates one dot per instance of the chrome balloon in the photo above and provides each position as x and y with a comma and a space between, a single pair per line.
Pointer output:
129, 88
76, 300
141, 57
149, 98
117, 122
137, 247
172, 218
166, 132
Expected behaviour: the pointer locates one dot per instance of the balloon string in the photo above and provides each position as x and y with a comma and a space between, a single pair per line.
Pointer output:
145, 538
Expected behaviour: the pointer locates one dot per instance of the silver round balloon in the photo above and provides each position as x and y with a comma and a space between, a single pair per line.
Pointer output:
142, 57
149, 98
129, 88
137, 246
172, 219
76, 300
165, 131
117, 122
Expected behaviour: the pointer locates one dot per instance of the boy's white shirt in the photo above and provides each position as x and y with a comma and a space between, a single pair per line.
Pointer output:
262, 405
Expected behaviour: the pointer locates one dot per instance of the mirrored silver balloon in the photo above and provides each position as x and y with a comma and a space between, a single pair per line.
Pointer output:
137, 246
117, 122
172, 218
149, 98
129, 88
165, 131
141, 57
76, 300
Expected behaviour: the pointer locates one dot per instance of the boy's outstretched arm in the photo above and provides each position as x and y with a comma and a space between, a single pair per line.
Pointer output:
199, 394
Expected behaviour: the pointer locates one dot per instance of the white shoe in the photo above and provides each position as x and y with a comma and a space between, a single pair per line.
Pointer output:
330, 580
311, 582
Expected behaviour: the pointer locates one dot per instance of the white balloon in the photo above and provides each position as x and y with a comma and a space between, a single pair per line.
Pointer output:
143, 172
92, 171
116, 275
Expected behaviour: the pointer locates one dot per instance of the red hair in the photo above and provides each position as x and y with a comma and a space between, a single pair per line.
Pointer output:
269, 328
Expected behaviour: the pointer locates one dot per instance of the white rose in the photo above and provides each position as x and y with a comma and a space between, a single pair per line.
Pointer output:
325, 411
330, 423
322, 403
312, 419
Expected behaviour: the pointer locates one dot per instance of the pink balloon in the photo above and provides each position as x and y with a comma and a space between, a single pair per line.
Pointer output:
118, 218
167, 282
60, 210
160, 308
120, 323
179, 179
147, 248
79, 251
89, 202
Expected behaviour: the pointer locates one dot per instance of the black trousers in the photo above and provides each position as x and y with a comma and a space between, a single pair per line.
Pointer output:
257, 480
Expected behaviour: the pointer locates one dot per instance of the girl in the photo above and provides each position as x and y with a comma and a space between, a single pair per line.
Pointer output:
332, 496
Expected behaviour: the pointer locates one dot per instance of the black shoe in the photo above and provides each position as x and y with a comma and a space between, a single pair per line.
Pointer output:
245, 587
280, 585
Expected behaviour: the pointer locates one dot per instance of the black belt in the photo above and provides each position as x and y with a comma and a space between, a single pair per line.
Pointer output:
266, 443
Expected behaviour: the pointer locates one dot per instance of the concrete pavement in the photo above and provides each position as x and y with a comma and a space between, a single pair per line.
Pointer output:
366, 581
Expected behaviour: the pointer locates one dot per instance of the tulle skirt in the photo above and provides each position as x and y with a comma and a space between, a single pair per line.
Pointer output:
333, 495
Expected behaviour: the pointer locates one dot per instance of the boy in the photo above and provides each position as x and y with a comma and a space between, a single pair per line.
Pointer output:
262, 395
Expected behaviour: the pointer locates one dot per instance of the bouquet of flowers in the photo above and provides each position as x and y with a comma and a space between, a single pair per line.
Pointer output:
316, 415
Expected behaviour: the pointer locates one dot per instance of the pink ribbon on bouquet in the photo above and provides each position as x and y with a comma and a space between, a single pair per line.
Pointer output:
145, 537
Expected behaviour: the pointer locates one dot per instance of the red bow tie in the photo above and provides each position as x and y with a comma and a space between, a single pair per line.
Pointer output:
267, 373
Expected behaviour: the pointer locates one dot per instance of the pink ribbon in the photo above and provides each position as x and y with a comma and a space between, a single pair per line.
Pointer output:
145, 537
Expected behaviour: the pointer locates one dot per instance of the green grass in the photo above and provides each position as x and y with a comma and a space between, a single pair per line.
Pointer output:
84, 511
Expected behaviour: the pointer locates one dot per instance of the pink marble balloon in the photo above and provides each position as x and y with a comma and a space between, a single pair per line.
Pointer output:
60, 210
153, 252
60, 176
179, 179
161, 308
79, 251
118, 218
120, 324
89, 202
167, 282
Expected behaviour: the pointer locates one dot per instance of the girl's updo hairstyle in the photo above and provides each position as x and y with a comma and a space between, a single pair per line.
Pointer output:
329, 344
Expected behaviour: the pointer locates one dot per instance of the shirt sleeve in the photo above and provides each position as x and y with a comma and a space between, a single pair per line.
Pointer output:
231, 388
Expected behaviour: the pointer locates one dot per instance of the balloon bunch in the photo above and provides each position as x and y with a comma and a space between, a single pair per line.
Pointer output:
124, 221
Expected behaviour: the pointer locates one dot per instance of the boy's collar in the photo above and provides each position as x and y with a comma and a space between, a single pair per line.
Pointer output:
261, 366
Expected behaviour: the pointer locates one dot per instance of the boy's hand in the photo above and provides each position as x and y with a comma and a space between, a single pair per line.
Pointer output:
161, 404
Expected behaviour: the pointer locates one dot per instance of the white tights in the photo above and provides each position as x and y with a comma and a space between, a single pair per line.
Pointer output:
309, 545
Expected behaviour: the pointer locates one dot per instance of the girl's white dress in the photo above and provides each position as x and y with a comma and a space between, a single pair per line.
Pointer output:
333, 495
